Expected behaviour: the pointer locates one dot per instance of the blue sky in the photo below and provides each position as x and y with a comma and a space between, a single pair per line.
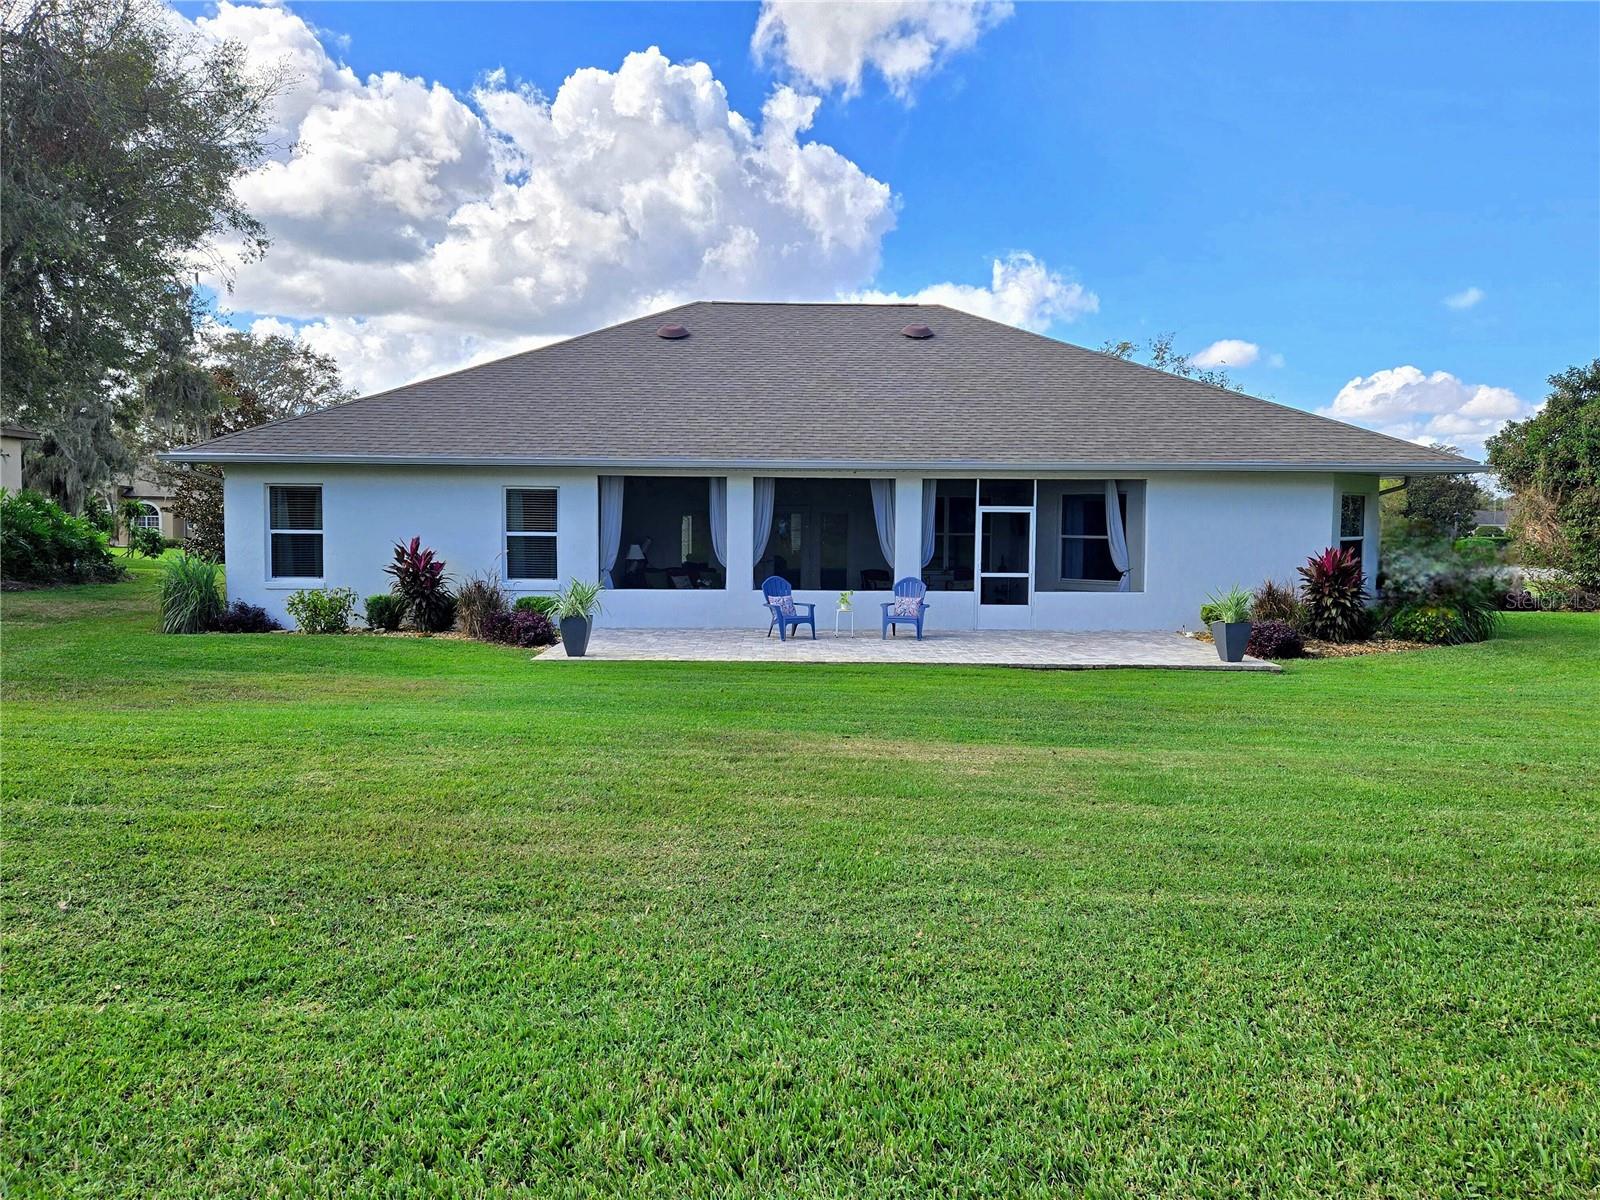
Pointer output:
1315, 180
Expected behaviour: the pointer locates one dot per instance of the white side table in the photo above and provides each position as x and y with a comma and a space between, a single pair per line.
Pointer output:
838, 615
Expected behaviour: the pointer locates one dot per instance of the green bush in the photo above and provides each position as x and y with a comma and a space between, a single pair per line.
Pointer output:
1491, 531
40, 542
1436, 623
1442, 592
385, 611
545, 606
147, 542
322, 610
191, 596
99, 514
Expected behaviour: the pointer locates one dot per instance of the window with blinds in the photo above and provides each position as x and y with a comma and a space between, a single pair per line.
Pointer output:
294, 523
531, 533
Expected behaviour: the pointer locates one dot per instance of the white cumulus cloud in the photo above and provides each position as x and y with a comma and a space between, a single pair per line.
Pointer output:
1022, 291
416, 229
1464, 299
1406, 403
1229, 352
830, 43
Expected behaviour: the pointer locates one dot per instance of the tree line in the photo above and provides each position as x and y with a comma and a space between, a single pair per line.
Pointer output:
124, 134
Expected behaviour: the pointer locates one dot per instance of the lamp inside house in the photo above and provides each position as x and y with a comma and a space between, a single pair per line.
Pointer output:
633, 573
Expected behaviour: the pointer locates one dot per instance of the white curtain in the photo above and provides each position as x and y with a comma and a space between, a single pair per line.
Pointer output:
761, 517
719, 519
883, 510
930, 492
1116, 534
610, 525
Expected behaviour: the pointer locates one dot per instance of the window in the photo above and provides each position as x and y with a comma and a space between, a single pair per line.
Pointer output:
1352, 523
824, 535
294, 522
1085, 542
666, 540
531, 533
955, 536
149, 517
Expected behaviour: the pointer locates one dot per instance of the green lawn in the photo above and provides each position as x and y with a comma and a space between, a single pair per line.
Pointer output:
289, 915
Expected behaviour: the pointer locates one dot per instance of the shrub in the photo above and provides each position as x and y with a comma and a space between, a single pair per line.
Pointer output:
1274, 601
520, 627
1334, 595
147, 542
1436, 623
240, 617
40, 542
322, 610
420, 579
191, 600
385, 611
1228, 607
545, 605
1491, 531
1435, 591
99, 514
1275, 639
479, 599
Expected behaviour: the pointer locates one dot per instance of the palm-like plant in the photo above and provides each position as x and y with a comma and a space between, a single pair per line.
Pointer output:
578, 599
419, 580
1334, 595
1229, 607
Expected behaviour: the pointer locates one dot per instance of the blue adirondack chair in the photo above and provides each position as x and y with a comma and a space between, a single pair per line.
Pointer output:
908, 588
775, 590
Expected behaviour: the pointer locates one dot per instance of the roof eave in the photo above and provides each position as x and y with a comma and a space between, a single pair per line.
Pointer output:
1386, 467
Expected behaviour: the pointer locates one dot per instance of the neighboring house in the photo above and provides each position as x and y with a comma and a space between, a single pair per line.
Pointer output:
12, 439
154, 496
685, 456
1499, 518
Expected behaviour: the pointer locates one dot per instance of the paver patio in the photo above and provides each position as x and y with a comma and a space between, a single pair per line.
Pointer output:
996, 648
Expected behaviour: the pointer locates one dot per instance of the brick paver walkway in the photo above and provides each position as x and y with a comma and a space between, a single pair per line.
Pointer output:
1061, 651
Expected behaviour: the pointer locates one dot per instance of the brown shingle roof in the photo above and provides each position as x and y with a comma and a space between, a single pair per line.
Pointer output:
823, 385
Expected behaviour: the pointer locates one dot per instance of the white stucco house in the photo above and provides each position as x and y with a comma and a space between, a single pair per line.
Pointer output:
686, 456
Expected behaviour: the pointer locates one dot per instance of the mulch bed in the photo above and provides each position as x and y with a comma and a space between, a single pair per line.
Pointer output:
1317, 649
1321, 649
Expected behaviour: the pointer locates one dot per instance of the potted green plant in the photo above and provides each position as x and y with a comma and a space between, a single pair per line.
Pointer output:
576, 606
847, 601
1228, 614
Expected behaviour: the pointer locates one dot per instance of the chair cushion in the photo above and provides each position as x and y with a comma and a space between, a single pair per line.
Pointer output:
906, 606
783, 604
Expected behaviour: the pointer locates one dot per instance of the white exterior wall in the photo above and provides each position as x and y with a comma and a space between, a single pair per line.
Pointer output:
1203, 531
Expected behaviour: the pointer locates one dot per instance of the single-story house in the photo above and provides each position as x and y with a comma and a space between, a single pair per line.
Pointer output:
684, 457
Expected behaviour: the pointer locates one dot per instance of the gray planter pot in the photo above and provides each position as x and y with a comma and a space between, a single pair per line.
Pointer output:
575, 635
1231, 638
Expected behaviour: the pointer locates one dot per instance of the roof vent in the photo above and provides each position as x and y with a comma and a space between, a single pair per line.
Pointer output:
672, 332
918, 331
